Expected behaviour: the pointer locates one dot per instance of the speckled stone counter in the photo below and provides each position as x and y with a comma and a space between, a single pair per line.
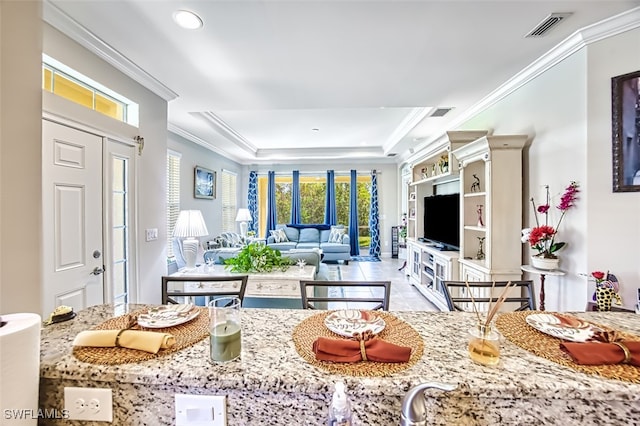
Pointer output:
272, 384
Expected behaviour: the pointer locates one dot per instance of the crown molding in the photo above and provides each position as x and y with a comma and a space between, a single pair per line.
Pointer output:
172, 128
71, 28
219, 125
606, 28
410, 121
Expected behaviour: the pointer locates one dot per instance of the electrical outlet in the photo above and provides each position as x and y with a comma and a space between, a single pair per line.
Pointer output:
201, 410
151, 234
89, 404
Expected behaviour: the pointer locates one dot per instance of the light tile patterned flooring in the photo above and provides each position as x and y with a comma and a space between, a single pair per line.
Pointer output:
404, 296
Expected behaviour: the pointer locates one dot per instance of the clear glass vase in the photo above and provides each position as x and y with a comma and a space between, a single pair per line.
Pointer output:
484, 345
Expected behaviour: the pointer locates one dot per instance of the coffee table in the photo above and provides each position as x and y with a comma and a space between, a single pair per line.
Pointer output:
276, 289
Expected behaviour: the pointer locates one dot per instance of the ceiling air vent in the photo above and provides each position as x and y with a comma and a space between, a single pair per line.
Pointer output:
391, 154
440, 112
547, 24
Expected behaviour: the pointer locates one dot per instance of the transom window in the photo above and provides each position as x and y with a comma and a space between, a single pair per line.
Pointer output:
63, 81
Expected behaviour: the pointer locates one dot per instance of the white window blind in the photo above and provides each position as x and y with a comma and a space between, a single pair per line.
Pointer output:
229, 201
173, 196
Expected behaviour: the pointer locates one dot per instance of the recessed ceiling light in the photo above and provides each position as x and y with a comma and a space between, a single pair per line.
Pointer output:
187, 19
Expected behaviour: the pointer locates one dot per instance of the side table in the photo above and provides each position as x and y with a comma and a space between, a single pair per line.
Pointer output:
543, 273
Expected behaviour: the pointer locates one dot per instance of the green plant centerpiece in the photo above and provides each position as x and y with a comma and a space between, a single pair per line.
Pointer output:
257, 258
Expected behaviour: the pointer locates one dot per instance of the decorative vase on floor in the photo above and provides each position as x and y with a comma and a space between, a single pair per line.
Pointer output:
545, 263
604, 296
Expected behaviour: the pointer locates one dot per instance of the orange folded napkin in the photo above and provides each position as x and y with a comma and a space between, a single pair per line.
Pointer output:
147, 341
341, 350
599, 353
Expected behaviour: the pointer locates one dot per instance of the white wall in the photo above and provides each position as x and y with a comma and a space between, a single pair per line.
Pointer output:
388, 188
20, 156
195, 155
567, 114
151, 164
613, 219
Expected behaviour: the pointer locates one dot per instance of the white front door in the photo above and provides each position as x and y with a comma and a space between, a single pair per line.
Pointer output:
72, 218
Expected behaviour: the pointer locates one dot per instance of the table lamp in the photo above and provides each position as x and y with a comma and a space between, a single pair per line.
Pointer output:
243, 217
190, 225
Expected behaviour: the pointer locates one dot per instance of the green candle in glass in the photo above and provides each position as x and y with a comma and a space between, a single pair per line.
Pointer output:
224, 329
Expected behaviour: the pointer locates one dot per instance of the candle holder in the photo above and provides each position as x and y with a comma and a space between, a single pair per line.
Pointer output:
224, 329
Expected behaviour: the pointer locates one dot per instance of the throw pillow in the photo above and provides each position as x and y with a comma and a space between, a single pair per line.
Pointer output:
336, 235
279, 236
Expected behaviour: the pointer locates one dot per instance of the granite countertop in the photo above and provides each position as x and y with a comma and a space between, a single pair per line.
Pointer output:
270, 362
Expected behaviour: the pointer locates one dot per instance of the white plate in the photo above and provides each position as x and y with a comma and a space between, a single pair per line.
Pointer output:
563, 326
168, 315
350, 321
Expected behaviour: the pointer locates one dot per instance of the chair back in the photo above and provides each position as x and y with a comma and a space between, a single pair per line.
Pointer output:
207, 287
484, 293
371, 295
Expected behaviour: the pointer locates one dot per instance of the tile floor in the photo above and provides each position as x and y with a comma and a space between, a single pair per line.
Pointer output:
404, 297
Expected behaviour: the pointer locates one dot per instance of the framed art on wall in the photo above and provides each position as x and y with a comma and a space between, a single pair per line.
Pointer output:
625, 126
204, 183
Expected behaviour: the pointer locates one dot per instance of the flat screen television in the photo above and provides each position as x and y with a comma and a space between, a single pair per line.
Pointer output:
442, 221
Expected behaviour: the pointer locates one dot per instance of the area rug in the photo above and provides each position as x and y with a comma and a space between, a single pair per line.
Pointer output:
365, 258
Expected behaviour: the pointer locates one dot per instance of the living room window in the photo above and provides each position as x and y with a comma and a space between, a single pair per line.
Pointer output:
63, 81
313, 187
173, 196
228, 190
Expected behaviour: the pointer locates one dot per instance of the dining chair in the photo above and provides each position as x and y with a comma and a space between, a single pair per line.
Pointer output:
520, 298
371, 295
208, 287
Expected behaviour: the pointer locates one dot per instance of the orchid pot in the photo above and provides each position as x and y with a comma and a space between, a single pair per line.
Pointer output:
546, 263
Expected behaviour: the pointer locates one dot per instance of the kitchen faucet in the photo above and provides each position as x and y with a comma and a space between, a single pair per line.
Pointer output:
414, 409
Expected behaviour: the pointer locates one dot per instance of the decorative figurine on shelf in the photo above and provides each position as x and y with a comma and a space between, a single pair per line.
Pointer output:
423, 172
443, 163
480, 253
475, 186
480, 221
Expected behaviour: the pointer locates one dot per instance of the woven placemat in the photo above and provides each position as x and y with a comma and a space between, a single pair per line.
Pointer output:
395, 331
514, 327
185, 334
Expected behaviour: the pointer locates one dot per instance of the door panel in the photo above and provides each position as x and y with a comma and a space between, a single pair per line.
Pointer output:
72, 217
68, 213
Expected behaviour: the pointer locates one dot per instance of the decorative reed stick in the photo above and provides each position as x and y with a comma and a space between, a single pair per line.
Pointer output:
475, 309
499, 303
493, 284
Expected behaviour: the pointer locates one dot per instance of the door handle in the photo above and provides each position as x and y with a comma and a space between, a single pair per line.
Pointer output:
97, 271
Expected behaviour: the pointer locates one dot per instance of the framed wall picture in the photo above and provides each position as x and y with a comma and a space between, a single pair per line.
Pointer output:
204, 183
625, 126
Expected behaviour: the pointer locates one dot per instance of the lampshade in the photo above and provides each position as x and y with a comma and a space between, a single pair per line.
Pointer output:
190, 224
243, 215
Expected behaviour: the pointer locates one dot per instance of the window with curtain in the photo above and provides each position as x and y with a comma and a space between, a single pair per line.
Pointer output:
228, 182
313, 187
173, 196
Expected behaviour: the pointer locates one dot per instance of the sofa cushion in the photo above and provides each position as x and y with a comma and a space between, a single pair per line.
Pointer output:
335, 248
293, 234
324, 235
309, 235
289, 245
310, 245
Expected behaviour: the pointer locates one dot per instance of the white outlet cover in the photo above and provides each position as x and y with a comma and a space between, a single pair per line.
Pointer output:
89, 404
201, 410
